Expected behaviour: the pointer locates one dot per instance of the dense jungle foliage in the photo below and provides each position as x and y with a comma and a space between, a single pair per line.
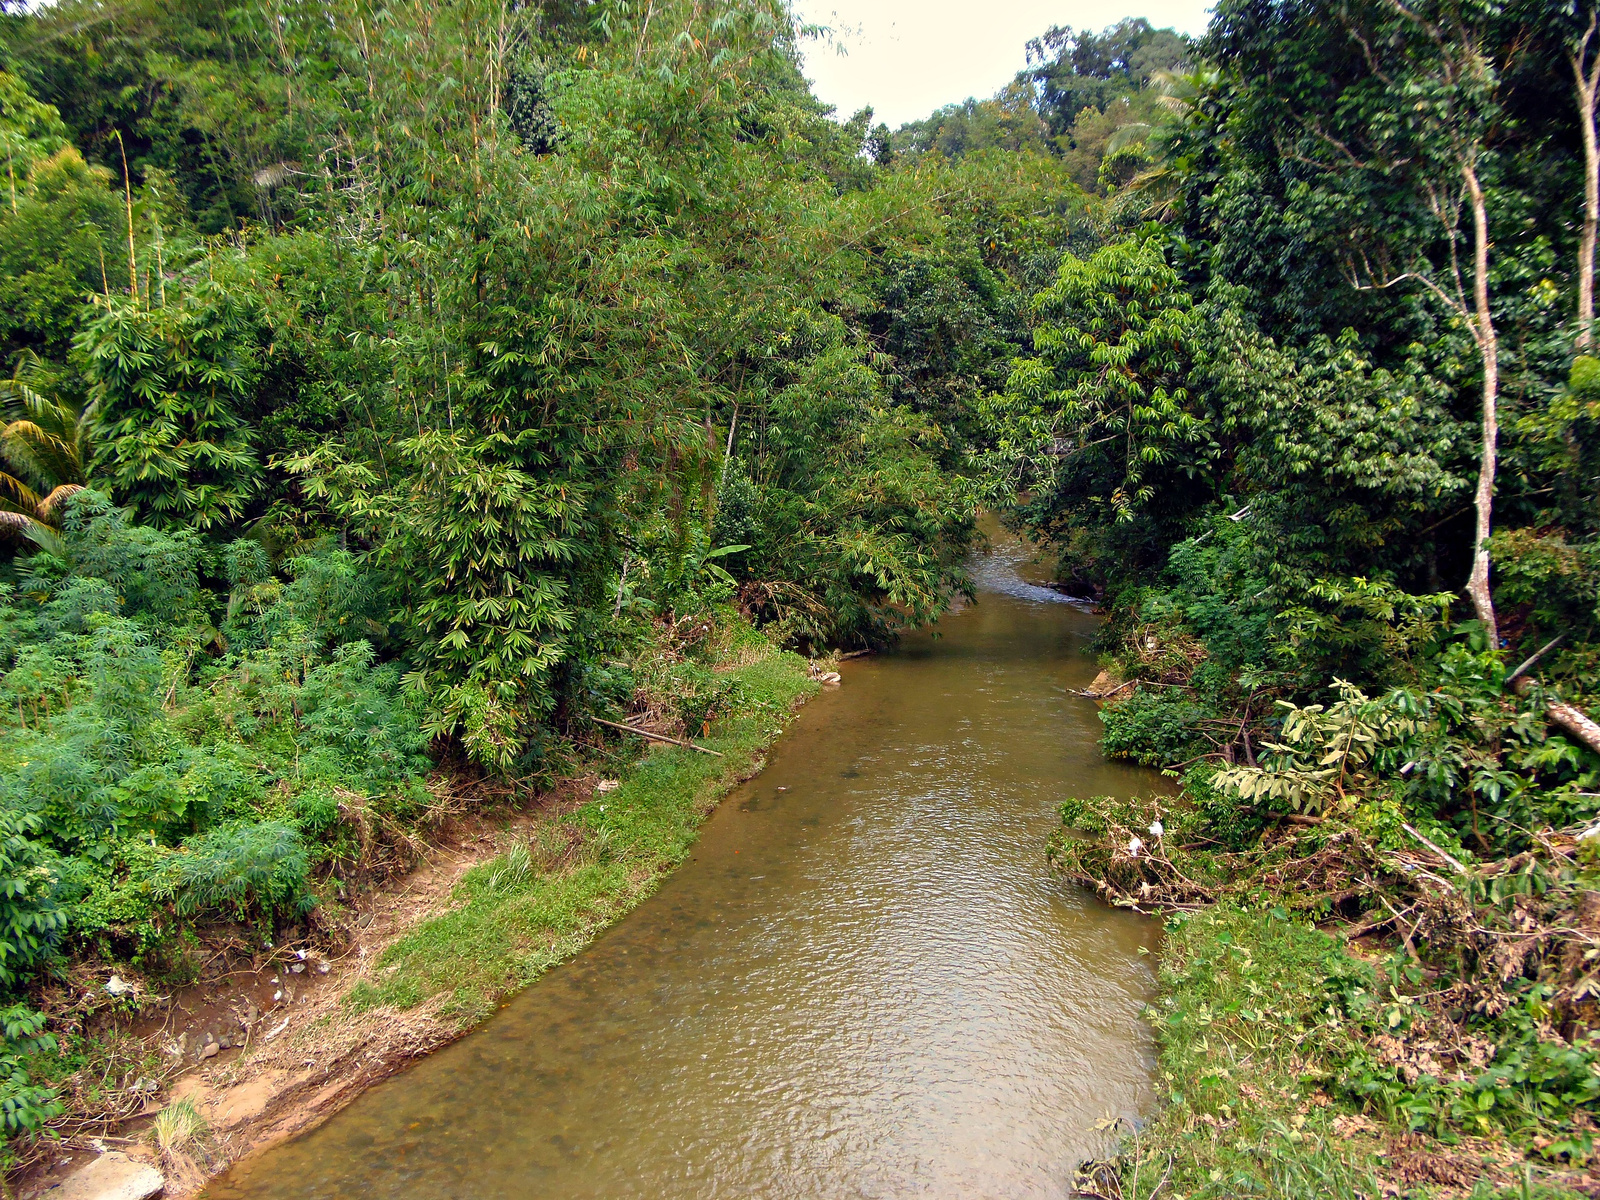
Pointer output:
389, 385
1316, 421
389, 382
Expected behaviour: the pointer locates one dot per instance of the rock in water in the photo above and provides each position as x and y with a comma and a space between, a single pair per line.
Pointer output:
112, 1176
1104, 686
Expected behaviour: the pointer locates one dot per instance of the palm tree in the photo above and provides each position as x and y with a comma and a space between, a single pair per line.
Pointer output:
46, 442
1173, 145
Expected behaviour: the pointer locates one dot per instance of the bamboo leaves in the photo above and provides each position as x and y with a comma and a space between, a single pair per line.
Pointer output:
168, 382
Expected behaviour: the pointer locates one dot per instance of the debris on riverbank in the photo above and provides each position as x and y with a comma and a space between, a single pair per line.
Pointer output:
1348, 1016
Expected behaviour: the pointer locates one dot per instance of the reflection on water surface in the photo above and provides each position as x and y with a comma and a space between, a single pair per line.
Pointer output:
866, 983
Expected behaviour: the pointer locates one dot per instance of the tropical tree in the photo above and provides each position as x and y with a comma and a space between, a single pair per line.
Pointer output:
1101, 416
29, 130
1583, 56
1176, 143
46, 442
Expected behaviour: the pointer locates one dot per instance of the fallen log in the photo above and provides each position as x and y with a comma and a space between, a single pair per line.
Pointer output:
659, 737
1089, 693
1575, 722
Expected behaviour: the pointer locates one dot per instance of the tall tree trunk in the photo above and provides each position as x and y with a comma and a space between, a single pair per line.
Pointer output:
1587, 77
1489, 348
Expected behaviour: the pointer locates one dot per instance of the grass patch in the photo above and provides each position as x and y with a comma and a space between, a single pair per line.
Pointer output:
514, 918
1260, 1021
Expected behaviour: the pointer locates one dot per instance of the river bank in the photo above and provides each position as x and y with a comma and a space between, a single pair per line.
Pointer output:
1281, 1074
502, 897
1308, 1047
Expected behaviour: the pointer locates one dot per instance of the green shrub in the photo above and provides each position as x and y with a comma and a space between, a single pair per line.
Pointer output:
31, 919
115, 892
256, 870
219, 785
1218, 816
1153, 728
1584, 378
24, 1106
1086, 816
316, 810
154, 572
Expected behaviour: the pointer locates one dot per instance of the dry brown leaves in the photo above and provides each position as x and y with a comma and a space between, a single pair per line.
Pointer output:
1415, 1161
1163, 654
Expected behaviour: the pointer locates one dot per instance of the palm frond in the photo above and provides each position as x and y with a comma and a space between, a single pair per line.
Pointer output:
18, 496
46, 439
16, 524
83, 436
1127, 135
17, 396
49, 506
44, 457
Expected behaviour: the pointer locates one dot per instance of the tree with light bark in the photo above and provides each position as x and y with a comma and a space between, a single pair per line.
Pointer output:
1583, 56
1424, 114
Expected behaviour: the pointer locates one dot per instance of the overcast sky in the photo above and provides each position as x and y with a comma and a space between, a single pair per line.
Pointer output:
906, 58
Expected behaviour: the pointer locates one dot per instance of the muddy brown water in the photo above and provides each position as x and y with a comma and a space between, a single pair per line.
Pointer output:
866, 983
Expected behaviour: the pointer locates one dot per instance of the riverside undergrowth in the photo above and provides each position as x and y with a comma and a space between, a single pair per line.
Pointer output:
511, 919
1275, 1038
1344, 1014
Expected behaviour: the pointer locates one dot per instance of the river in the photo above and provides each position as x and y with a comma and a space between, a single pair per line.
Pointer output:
865, 983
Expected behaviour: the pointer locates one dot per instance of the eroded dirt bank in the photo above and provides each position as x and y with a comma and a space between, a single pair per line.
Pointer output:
271, 1049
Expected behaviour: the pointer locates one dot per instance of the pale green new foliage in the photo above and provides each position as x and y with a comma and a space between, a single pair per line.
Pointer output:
1103, 406
1326, 754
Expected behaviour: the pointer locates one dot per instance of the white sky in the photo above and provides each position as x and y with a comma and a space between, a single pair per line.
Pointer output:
908, 57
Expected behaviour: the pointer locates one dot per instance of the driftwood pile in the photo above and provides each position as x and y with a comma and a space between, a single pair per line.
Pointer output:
1493, 923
